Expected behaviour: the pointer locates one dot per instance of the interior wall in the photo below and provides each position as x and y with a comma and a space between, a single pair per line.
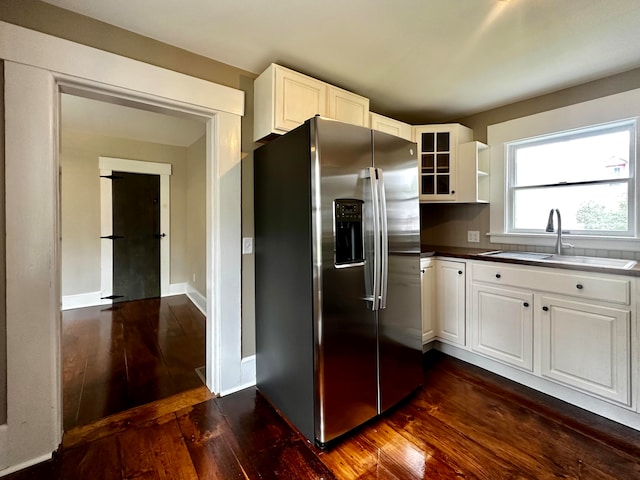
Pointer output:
3, 310
80, 185
248, 260
447, 224
196, 216
52, 20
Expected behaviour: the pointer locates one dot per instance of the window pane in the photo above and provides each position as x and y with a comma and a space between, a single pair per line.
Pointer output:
599, 156
598, 208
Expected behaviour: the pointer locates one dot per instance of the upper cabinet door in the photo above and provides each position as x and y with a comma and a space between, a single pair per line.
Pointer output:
297, 98
284, 99
348, 107
391, 125
438, 159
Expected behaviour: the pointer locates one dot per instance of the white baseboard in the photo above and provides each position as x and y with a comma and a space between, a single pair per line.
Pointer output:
247, 376
92, 299
29, 463
199, 300
176, 289
81, 300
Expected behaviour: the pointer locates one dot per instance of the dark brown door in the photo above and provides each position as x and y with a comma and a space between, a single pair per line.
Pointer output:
136, 220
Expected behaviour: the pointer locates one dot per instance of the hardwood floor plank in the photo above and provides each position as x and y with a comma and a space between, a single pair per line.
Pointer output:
121, 421
254, 422
611, 433
189, 317
486, 417
355, 459
156, 451
266, 441
99, 460
463, 454
211, 443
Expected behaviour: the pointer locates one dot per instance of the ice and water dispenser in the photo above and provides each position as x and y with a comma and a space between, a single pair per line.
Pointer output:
348, 232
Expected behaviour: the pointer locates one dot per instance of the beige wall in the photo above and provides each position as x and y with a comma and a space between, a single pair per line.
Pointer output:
80, 184
195, 215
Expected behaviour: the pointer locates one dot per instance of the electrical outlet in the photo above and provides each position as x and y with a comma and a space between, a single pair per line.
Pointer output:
473, 236
247, 245
194, 278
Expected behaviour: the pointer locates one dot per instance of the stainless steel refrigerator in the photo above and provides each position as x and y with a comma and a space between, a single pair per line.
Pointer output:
337, 259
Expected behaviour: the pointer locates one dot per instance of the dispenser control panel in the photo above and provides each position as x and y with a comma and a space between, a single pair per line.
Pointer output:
348, 232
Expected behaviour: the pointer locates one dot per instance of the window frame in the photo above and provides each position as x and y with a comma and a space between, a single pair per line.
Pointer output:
612, 108
629, 125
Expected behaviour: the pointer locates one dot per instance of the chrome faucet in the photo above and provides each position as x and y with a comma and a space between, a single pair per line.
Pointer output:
559, 244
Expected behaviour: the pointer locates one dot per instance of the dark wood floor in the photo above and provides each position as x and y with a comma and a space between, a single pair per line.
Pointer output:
463, 423
128, 354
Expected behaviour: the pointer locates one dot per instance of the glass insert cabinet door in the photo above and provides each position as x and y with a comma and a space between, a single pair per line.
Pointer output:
436, 164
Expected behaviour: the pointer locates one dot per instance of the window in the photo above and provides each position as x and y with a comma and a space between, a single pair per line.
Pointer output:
588, 174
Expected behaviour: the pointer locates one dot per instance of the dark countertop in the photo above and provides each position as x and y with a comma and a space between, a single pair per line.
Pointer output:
475, 254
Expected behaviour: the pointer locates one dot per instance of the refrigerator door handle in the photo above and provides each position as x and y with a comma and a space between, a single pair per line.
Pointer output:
373, 175
384, 233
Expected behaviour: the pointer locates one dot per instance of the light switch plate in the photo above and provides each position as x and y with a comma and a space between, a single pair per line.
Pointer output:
247, 245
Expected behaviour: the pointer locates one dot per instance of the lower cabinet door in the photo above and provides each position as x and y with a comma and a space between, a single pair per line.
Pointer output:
450, 301
502, 324
586, 346
427, 276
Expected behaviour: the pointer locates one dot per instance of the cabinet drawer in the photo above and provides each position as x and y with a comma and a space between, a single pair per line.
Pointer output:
592, 287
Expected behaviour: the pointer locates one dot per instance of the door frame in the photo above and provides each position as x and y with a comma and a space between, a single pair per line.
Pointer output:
107, 165
37, 68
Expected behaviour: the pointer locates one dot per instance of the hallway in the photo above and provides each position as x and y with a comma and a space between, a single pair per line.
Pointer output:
120, 356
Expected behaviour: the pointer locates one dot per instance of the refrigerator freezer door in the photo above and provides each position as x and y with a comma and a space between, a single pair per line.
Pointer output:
345, 328
399, 322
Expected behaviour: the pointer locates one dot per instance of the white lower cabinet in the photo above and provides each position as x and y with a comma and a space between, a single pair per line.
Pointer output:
450, 301
586, 346
427, 280
502, 324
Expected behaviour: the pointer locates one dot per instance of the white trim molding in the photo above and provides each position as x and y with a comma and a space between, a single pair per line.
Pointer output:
603, 110
37, 68
199, 300
248, 376
107, 165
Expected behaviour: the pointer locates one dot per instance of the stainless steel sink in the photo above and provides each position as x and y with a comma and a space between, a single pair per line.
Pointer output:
593, 261
566, 259
518, 255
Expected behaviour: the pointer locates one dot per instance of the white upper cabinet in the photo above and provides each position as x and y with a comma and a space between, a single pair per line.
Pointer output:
348, 107
284, 99
438, 159
473, 173
392, 126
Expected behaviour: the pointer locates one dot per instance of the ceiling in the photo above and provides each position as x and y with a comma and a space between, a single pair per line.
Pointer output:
84, 115
417, 60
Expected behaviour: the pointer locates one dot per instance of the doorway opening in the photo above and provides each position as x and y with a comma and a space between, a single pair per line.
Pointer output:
132, 252
37, 67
